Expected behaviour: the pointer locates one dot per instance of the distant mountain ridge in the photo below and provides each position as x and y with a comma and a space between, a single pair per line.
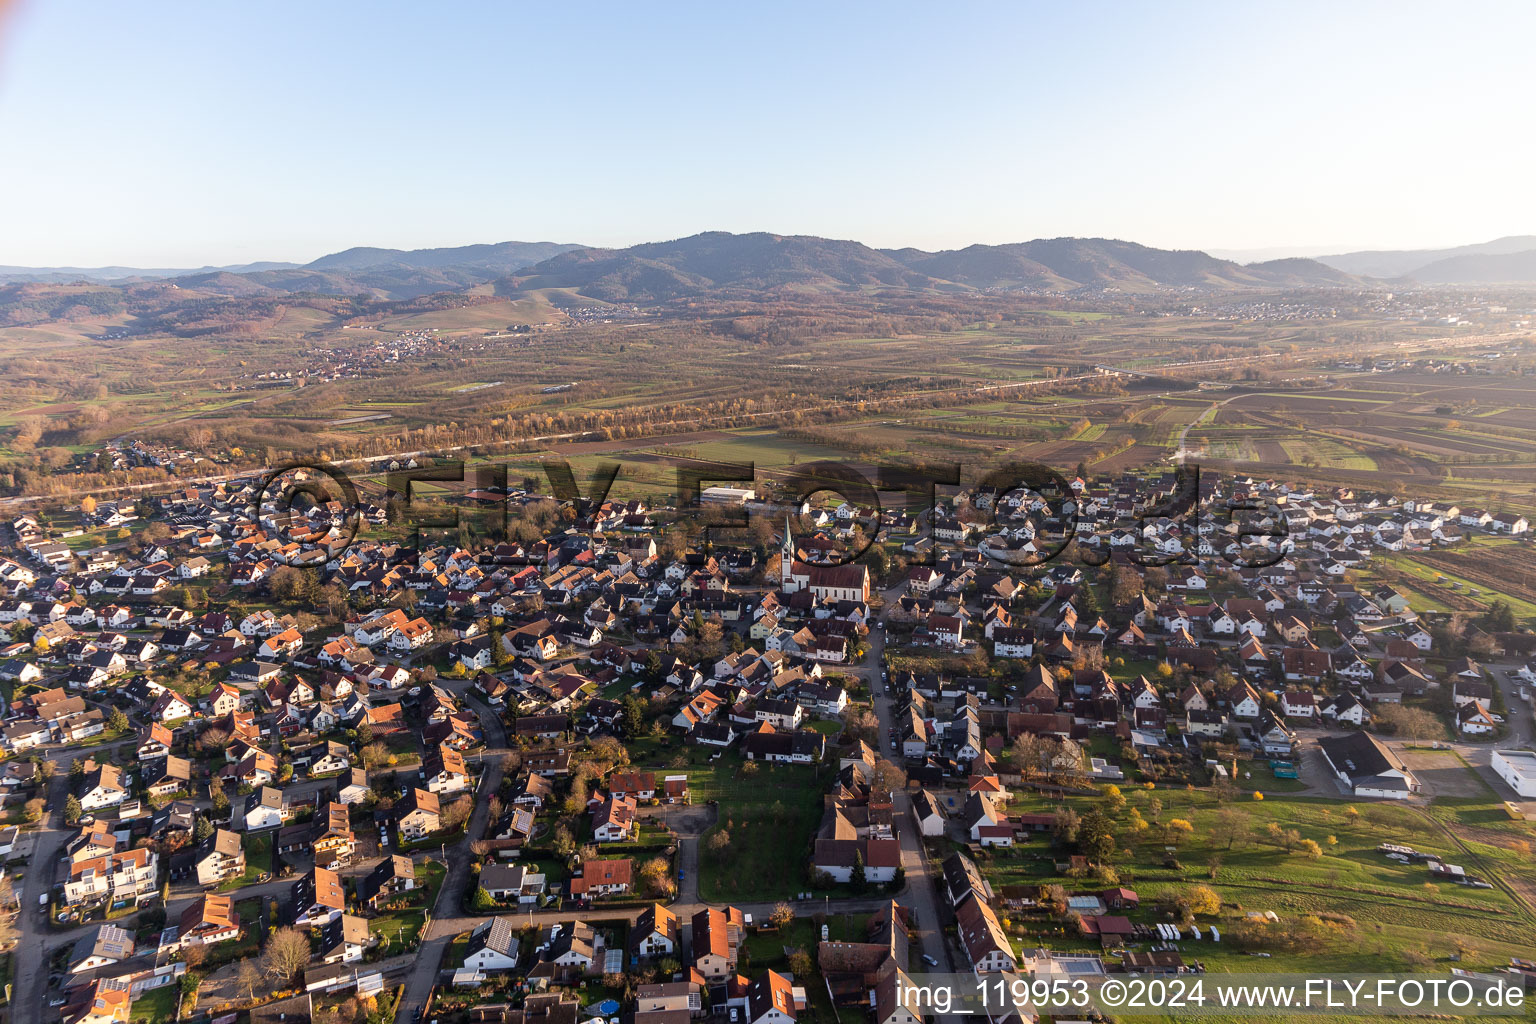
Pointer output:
1413, 263
743, 265
721, 262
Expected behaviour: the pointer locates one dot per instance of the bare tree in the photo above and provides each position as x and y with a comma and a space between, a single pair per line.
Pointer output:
287, 950
248, 976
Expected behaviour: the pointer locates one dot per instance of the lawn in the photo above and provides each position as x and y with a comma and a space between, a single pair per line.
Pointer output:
1399, 912
156, 1006
771, 812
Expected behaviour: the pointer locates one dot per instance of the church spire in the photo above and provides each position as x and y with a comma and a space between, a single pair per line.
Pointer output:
787, 555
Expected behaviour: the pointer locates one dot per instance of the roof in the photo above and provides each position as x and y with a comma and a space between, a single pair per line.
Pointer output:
1360, 755
770, 991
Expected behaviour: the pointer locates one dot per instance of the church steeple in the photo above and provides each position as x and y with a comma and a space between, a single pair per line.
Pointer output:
787, 556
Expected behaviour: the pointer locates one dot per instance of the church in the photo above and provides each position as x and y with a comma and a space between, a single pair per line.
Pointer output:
825, 582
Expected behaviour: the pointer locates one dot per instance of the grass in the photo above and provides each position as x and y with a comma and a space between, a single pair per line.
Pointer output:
771, 814
156, 1006
1397, 908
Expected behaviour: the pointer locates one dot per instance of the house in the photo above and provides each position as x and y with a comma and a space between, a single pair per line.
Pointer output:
566, 951
668, 1001
169, 775
264, 809
928, 813
981, 936
318, 898
344, 940
1345, 709
444, 771
210, 919
355, 788
1473, 719
107, 944
636, 785
513, 883
170, 706
222, 857
330, 836
103, 788
1368, 767
390, 877
494, 946
657, 932
103, 1001
772, 999
157, 743
614, 819
602, 878
418, 815
717, 935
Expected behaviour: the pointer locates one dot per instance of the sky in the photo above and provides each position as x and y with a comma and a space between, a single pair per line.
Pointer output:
171, 134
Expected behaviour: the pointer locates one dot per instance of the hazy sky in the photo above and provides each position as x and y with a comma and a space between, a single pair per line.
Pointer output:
178, 134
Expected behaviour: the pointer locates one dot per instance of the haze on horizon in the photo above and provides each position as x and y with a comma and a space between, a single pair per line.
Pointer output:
179, 134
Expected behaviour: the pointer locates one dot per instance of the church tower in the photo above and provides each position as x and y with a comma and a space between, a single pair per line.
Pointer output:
787, 560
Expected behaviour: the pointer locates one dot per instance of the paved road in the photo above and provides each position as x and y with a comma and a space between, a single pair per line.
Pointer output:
439, 935
33, 937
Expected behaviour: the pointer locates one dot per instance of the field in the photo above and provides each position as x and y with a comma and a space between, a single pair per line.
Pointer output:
771, 813
1398, 915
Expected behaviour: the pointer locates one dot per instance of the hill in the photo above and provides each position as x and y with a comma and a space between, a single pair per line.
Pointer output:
756, 264
1480, 268
498, 258
1390, 263
723, 263
717, 261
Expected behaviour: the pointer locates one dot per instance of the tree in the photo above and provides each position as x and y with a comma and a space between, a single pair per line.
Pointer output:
800, 964
1228, 826
71, 809
562, 843
1500, 617
248, 976
1026, 754
1178, 829
482, 902
1417, 724
1114, 800
1311, 849
202, 829
858, 876
633, 716
193, 955
1065, 825
1095, 838
117, 721
456, 814
783, 916
656, 877
1203, 900
287, 951
719, 844
888, 777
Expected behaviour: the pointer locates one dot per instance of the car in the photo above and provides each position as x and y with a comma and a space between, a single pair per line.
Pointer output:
930, 961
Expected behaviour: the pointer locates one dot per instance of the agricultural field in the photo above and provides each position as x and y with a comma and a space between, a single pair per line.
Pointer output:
1391, 915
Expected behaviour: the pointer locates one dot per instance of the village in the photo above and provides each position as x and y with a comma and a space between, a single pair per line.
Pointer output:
267, 767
